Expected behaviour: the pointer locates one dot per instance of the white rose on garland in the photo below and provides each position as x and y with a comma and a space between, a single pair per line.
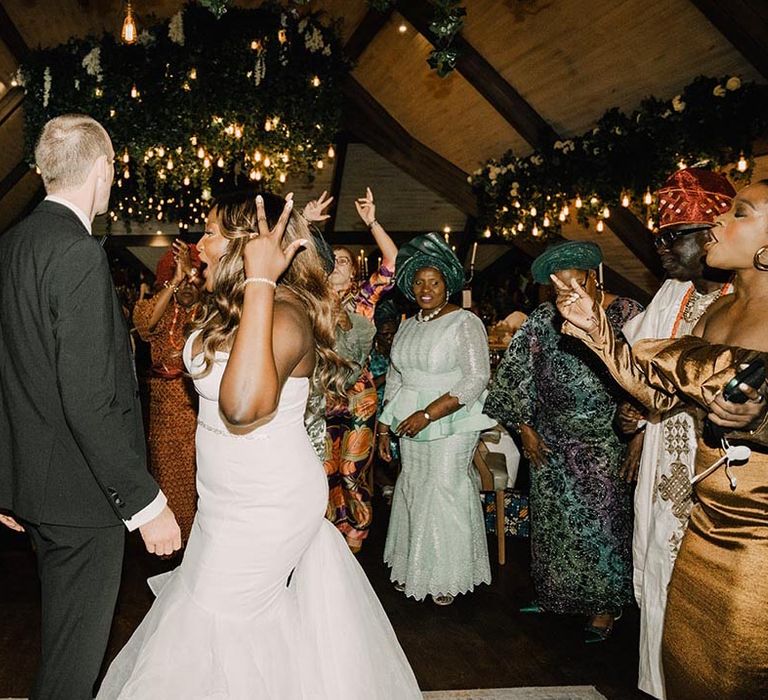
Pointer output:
733, 83
176, 29
92, 63
719, 91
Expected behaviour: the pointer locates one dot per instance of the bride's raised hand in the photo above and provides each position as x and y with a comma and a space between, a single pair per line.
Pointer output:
264, 255
575, 305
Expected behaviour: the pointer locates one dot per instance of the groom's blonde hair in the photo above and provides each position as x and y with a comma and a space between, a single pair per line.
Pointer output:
67, 148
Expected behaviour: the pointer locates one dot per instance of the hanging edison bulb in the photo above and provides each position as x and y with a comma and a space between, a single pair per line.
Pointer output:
134, 91
126, 157
606, 213
533, 211
331, 152
625, 201
316, 81
129, 33
206, 162
535, 231
650, 224
220, 162
186, 181
320, 165
647, 198
257, 156
600, 226
578, 203
201, 152
545, 221
281, 177
169, 164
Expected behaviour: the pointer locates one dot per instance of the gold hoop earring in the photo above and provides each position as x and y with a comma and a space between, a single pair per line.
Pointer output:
757, 259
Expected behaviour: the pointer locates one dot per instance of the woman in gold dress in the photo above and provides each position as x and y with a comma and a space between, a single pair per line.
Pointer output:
715, 644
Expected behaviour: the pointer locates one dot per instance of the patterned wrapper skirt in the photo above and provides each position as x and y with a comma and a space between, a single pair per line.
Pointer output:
348, 451
172, 427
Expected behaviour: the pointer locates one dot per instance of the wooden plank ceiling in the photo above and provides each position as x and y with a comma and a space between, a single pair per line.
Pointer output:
569, 61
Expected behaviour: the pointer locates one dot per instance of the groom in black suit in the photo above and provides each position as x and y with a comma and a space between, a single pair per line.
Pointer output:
73, 472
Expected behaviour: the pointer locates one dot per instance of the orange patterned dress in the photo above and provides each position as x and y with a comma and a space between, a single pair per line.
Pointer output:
172, 411
350, 429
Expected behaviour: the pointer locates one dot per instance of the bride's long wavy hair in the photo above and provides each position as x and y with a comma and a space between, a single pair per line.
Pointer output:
305, 280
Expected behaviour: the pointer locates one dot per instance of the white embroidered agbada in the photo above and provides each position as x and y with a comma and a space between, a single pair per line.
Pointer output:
663, 492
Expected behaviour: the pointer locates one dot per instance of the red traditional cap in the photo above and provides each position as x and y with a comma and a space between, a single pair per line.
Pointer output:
694, 196
167, 265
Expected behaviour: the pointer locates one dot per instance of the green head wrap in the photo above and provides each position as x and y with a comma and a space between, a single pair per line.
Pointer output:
566, 255
429, 250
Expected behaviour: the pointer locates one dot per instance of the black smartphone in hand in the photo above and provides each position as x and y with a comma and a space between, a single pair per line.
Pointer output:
752, 375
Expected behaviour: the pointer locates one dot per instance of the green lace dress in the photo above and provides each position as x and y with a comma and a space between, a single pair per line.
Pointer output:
436, 540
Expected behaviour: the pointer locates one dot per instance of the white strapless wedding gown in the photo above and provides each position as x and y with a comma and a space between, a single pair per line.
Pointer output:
227, 624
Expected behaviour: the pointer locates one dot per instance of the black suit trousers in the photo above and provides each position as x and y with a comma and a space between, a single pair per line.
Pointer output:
79, 571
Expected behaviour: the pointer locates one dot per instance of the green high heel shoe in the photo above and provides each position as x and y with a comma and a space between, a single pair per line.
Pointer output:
532, 608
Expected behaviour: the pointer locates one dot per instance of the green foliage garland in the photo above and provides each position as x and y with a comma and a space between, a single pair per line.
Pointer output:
198, 104
622, 160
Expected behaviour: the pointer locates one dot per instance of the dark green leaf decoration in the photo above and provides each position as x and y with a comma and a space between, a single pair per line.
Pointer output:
217, 7
444, 27
198, 104
713, 122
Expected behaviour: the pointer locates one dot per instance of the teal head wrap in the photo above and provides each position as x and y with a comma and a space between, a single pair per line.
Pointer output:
566, 255
429, 250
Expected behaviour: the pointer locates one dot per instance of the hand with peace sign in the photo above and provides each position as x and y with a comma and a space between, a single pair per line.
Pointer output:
264, 256
575, 305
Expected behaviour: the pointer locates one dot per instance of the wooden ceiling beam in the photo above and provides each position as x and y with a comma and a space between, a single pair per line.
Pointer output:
9, 103
527, 122
744, 23
367, 120
486, 80
365, 32
12, 38
12, 178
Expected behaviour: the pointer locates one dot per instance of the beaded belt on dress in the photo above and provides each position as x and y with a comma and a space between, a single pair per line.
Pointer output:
226, 433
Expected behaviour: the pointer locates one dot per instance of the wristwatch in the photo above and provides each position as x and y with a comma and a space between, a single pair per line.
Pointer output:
427, 416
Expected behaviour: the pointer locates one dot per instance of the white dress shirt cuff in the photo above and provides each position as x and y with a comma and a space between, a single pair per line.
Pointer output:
147, 513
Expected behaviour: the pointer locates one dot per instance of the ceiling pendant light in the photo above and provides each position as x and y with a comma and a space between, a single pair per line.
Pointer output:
129, 33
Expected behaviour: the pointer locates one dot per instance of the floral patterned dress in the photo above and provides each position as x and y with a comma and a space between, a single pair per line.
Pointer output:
350, 430
172, 410
581, 510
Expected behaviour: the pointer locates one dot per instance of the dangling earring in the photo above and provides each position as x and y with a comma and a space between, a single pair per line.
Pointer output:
757, 260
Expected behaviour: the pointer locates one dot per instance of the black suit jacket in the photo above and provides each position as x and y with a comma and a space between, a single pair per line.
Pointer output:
71, 436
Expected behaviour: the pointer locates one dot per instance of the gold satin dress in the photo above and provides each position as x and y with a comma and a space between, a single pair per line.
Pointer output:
715, 643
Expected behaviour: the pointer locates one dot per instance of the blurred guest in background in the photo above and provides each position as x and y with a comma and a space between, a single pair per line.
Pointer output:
160, 321
562, 403
387, 320
350, 425
434, 393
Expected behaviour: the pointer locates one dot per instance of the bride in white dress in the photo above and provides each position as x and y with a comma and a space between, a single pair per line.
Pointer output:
268, 602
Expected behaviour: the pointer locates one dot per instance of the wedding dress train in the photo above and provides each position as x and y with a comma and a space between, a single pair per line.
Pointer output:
268, 602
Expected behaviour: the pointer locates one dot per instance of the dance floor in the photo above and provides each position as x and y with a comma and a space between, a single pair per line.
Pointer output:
481, 641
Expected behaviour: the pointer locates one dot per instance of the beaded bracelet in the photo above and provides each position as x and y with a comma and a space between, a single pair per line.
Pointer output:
168, 285
260, 280
372, 224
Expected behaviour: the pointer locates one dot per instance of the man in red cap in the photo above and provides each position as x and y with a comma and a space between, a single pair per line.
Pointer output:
689, 201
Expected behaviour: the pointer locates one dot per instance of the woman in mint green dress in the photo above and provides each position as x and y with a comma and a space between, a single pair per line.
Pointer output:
436, 385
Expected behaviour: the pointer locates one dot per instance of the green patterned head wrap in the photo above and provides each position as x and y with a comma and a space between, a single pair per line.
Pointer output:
566, 255
429, 250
